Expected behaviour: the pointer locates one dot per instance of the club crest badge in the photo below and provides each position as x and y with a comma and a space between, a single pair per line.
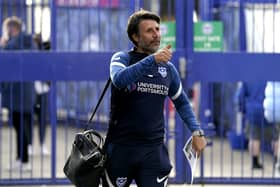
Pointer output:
162, 71
121, 181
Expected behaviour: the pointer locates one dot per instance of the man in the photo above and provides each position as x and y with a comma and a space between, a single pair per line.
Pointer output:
18, 97
271, 105
142, 78
250, 97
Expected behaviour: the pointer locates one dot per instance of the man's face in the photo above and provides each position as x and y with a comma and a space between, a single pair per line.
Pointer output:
148, 38
12, 31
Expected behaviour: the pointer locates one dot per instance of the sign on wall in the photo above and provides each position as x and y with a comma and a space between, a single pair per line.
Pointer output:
168, 34
208, 36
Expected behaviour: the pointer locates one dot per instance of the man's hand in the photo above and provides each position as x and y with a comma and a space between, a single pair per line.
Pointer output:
199, 143
163, 55
3, 41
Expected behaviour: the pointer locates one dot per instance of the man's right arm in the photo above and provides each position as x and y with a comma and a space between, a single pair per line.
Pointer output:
122, 74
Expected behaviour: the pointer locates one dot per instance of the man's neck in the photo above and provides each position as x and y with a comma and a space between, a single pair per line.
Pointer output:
139, 50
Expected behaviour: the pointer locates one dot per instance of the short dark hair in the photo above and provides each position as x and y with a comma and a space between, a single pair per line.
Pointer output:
136, 18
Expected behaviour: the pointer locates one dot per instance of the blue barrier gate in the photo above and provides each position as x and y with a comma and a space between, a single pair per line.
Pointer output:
227, 160
77, 66
63, 123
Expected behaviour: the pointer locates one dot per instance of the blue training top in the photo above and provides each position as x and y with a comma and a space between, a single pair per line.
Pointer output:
139, 89
250, 97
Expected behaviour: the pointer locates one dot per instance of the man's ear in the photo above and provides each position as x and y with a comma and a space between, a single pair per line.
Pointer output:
135, 37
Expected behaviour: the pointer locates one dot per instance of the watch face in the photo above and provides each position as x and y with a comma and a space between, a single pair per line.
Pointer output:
198, 133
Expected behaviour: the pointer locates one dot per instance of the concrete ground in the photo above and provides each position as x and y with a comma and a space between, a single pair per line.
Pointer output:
182, 186
219, 159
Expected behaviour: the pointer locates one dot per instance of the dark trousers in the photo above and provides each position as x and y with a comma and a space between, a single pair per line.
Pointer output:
149, 166
41, 110
21, 122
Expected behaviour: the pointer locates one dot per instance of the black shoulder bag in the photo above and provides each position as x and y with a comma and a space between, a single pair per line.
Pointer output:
85, 165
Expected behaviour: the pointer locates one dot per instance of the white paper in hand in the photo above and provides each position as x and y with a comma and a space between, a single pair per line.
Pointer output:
191, 156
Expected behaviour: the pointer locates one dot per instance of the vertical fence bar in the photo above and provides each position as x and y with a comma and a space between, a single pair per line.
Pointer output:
53, 106
1, 16
253, 26
232, 156
41, 124
39, 121
132, 8
110, 23
262, 122
78, 105
99, 25
53, 8
69, 33
23, 12
18, 7
182, 7
79, 25
179, 15
189, 49
88, 28
138, 4
212, 159
141, 4
53, 116
273, 36
119, 26
21, 122
243, 147
10, 11
1, 126
276, 167
189, 27
65, 121
252, 44
221, 124
242, 29
11, 121
206, 88
33, 8
31, 135
169, 6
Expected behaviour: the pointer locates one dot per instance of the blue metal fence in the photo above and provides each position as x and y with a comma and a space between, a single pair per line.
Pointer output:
75, 68
228, 159
83, 36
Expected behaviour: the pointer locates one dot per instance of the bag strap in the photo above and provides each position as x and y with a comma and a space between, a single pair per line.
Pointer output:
98, 103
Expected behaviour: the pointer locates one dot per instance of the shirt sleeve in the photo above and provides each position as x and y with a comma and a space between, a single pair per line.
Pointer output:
181, 101
123, 75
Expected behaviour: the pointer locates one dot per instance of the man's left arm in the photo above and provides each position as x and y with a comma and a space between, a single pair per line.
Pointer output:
183, 107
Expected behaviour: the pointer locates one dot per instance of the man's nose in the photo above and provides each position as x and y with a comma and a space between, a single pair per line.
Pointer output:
156, 34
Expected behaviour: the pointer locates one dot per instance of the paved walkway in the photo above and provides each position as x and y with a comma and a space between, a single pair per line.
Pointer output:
220, 159
181, 186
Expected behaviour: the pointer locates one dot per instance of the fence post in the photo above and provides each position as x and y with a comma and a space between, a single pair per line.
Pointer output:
180, 133
53, 24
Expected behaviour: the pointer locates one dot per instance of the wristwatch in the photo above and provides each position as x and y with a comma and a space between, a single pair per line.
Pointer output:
198, 133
